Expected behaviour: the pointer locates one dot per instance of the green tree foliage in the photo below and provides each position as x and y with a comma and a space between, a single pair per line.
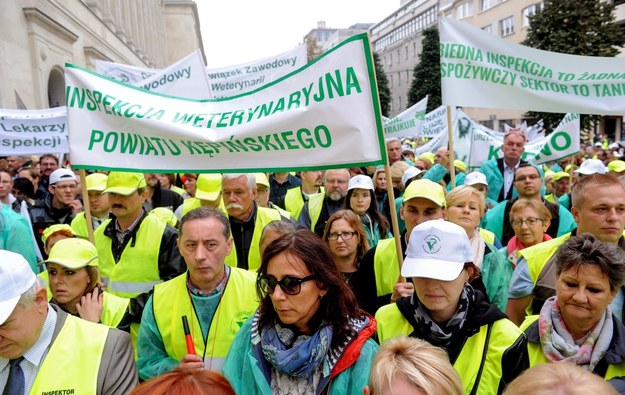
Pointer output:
383, 90
576, 27
313, 50
426, 77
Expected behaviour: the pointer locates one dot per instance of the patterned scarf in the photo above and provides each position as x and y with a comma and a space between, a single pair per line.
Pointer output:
441, 334
558, 344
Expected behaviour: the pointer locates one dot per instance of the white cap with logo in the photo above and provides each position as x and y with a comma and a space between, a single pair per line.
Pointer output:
16, 277
437, 249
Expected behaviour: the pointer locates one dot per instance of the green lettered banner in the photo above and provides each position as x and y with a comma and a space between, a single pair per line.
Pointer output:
481, 70
37, 132
408, 123
327, 114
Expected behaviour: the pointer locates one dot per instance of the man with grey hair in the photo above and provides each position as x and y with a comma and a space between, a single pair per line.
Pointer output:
247, 219
320, 207
43, 350
393, 150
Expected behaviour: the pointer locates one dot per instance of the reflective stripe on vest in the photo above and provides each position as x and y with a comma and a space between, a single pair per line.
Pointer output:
137, 269
263, 217
171, 301
315, 203
64, 357
386, 266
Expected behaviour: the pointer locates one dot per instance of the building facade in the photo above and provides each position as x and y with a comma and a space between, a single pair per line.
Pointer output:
397, 39
37, 38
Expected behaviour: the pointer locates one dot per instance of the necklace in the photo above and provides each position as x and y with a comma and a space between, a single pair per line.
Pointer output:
347, 276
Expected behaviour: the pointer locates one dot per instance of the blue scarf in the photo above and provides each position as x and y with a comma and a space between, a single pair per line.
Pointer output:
297, 356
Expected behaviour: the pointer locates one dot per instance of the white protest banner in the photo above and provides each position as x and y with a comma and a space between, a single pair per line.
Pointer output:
234, 80
185, 78
562, 142
303, 121
123, 72
435, 122
408, 123
33, 132
479, 69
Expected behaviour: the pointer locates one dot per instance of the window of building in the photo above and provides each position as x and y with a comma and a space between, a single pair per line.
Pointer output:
506, 26
486, 4
531, 10
464, 10
56, 88
407, 76
488, 28
414, 49
406, 48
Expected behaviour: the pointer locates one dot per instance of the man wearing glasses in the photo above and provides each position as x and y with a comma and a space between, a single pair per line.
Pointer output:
59, 207
528, 183
214, 298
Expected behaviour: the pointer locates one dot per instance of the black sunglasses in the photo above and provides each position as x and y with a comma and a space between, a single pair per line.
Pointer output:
289, 285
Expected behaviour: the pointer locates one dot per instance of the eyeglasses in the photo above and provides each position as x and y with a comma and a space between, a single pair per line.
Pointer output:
289, 285
345, 236
523, 178
531, 221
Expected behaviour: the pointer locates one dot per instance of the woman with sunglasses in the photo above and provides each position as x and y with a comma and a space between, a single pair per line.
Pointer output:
308, 335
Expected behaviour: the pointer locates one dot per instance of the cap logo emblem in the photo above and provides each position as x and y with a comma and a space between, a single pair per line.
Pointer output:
431, 244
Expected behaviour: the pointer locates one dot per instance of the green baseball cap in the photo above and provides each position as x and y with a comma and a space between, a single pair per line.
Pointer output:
96, 182
73, 254
425, 189
124, 184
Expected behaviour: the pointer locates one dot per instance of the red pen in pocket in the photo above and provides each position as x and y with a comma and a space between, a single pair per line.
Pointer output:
187, 336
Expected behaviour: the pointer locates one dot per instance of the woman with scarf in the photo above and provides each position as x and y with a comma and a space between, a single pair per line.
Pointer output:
465, 207
308, 336
530, 220
487, 350
577, 325
361, 200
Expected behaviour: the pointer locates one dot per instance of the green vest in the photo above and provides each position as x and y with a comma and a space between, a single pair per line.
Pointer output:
137, 269
315, 203
294, 201
487, 236
385, 266
474, 368
79, 224
537, 357
171, 301
64, 357
263, 217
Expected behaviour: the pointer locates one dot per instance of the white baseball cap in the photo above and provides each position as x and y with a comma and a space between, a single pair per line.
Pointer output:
360, 181
437, 249
16, 277
592, 166
62, 175
475, 178
409, 174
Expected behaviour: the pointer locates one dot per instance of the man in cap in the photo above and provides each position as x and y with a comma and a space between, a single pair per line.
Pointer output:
207, 194
591, 166
157, 196
43, 350
318, 209
136, 249
59, 207
215, 298
98, 205
423, 200
312, 184
528, 183
263, 194
598, 208
478, 181
500, 172
561, 187
247, 219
